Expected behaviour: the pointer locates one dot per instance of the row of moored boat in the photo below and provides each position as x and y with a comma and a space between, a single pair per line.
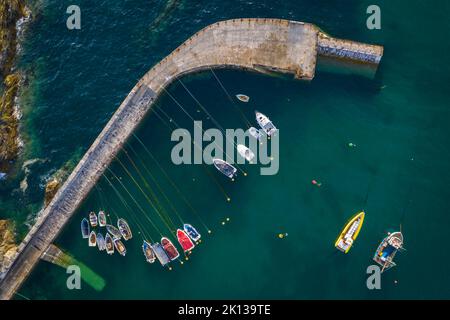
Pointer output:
164, 252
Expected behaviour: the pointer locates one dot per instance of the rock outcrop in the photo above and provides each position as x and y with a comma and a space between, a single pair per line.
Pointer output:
8, 245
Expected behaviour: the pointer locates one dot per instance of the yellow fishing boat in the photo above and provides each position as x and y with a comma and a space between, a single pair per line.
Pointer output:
350, 232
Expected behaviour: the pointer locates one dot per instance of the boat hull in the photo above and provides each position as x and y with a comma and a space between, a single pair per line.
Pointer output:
160, 254
148, 252
115, 233
350, 232
191, 232
93, 219
85, 229
124, 229
120, 247
225, 168
100, 242
184, 240
109, 244
170, 249
92, 239
388, 248
101, 219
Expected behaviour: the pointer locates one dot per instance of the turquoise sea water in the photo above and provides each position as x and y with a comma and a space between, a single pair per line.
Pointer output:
397, 173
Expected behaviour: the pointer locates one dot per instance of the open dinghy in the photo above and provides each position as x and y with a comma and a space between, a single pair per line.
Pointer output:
161, 255
92, 239
191, 232
243, 97
85, 229
109, 244
93, 219
148, 252
185, 242
101, 219
115, 233
101, 244
124, 229
169, 248
120, 247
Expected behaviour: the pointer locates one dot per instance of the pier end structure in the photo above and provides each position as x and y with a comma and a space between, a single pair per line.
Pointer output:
261, 45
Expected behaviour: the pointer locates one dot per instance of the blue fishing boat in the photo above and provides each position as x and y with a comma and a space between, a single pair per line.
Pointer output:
191, 232
148, 252
85, 229
161, 255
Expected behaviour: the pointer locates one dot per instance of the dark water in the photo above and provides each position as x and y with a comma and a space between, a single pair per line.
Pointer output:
397, 173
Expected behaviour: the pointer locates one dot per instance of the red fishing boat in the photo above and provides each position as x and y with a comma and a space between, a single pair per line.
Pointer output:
185, 242
170, 249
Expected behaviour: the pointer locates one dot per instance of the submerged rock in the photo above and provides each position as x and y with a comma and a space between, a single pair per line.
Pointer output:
8, 246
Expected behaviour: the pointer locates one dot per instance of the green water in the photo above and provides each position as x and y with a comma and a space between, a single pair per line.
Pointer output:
397, 173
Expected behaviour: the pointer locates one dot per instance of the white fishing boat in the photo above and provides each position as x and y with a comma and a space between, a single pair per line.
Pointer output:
243, 97
224, 167
265, 123
93, 219
113, 231
245, 152
255, 133
101, 219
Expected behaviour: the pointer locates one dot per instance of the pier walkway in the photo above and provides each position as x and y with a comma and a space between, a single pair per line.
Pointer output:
261, 45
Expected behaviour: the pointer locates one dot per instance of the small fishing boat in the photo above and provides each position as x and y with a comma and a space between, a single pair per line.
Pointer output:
387, 250
113, 231
224, 167
243, 97
85, 229
191, 232
255, 133
265, 123
120, 247
101, 244
185, 242
93, 219
92, 239
148, 252
109, 244
169, 248
160, 254
245, 152
101, 219
350, 232
124, 229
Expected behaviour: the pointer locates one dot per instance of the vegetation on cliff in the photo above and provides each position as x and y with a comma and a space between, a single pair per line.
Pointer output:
10, 13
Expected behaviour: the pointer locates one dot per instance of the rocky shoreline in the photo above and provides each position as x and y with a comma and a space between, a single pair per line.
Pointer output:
12, 13
8, 245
